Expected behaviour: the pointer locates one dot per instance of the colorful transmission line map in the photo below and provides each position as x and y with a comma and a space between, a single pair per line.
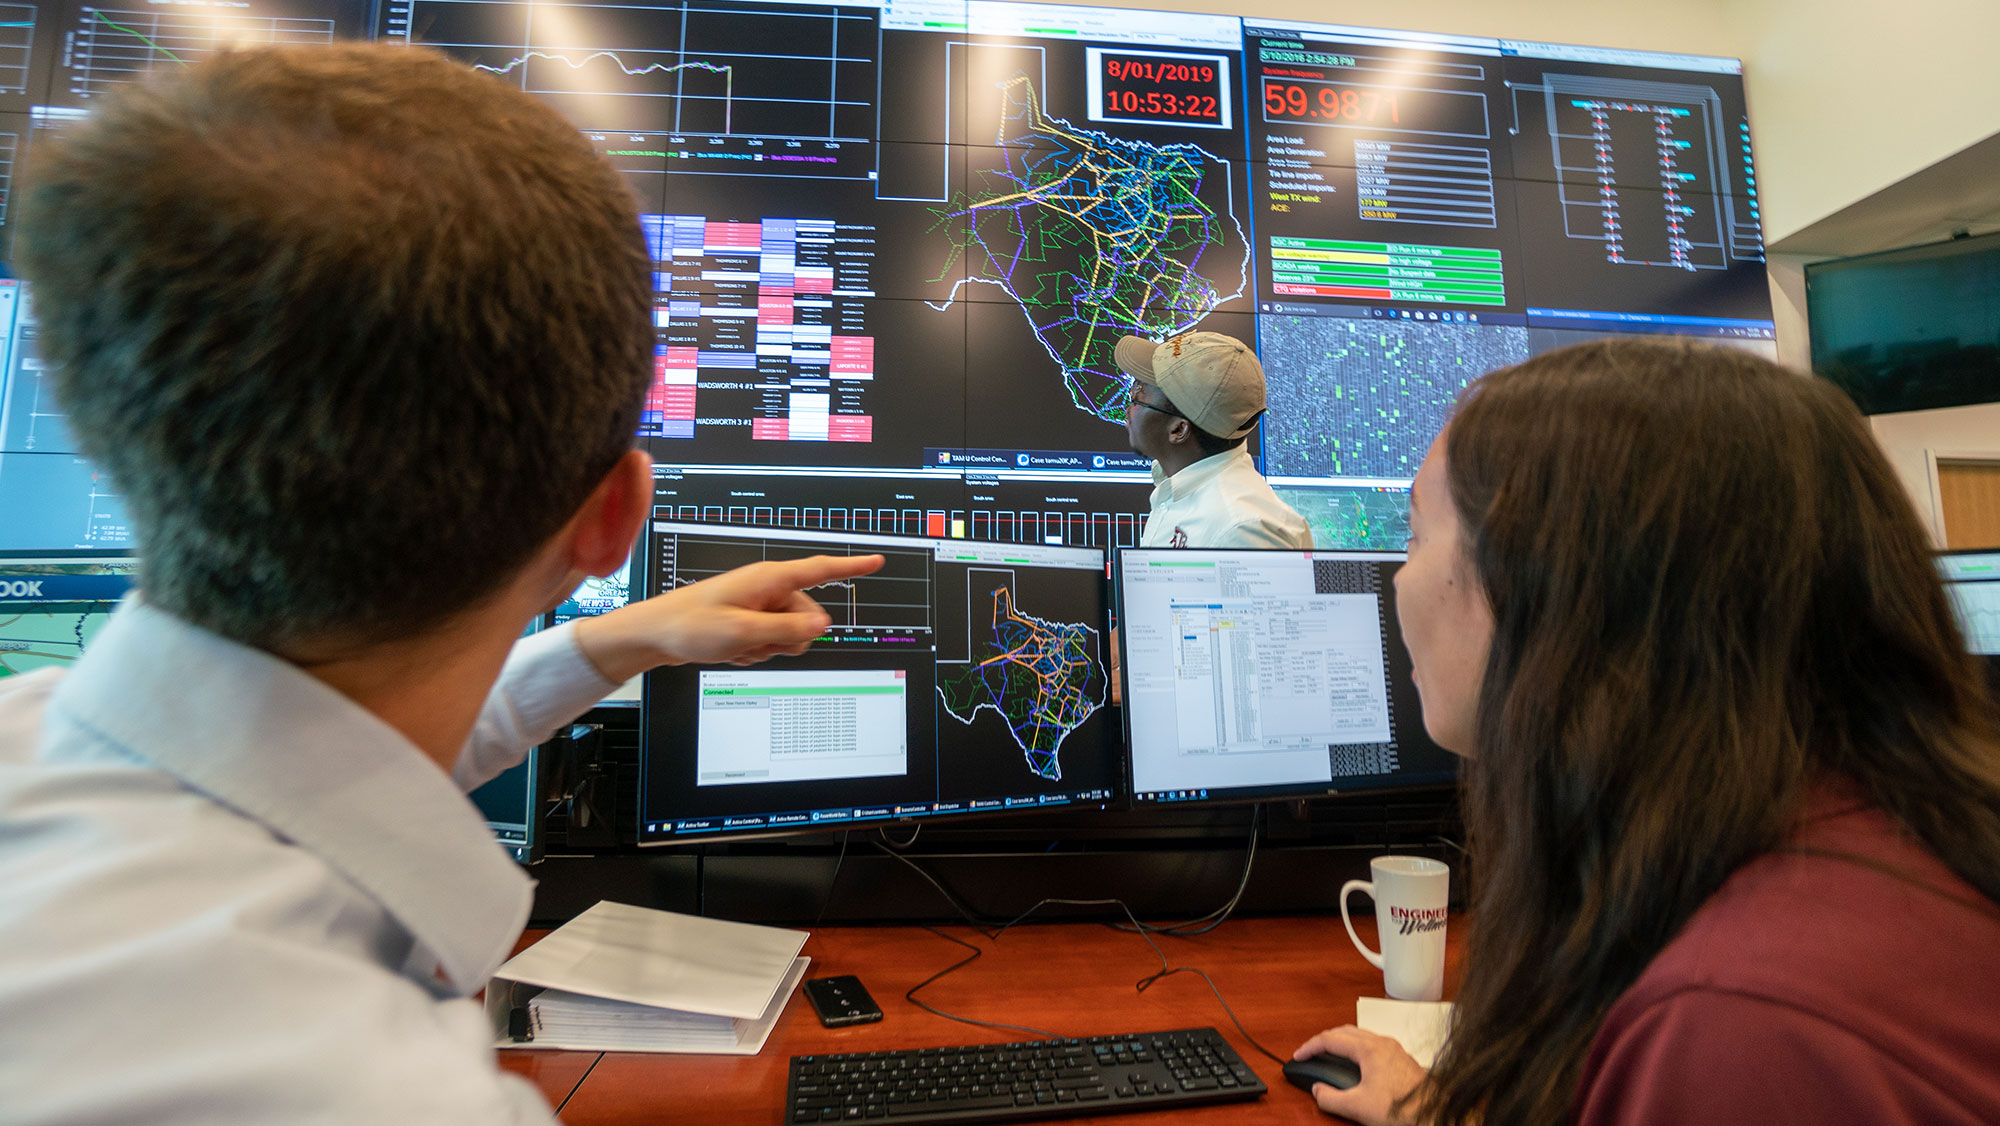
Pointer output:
1043, 678
1095, 237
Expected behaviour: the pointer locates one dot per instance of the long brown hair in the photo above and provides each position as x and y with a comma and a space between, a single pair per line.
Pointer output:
1708, 590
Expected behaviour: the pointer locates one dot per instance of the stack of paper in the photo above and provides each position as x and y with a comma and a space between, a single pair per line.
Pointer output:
623, 978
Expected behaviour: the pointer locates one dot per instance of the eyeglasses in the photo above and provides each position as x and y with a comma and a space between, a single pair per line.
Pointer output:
1132, 399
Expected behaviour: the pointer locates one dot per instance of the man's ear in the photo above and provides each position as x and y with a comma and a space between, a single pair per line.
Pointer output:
611, 517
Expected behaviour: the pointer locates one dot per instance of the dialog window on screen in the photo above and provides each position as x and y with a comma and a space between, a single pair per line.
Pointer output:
801, 725
1245, 672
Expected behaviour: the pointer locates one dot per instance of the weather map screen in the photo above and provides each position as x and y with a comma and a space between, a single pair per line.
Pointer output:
52, 608
962, 678
601, 594
1268, 674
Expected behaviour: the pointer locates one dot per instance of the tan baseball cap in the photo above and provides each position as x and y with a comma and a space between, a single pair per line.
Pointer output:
1214, 380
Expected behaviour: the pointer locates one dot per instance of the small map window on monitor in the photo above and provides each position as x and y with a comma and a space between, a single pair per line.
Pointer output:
51, 608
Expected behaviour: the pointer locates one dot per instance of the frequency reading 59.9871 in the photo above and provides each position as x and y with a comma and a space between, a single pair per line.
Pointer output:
1319, 101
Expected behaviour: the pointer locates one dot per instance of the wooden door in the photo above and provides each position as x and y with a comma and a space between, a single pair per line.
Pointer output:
1969, 497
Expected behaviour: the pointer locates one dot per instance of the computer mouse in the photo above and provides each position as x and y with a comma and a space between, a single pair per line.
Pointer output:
1335, 1071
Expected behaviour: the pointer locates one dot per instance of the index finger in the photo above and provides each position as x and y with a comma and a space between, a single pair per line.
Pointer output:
799, 574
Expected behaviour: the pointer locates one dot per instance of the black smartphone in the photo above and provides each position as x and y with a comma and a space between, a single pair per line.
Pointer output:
841, 1000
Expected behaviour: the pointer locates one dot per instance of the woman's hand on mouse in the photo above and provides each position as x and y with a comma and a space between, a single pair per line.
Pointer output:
1387, 1074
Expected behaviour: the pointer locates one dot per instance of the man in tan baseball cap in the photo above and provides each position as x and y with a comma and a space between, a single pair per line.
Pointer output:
1194, 400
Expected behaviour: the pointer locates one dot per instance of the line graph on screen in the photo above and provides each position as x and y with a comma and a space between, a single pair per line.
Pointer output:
110, 47
17, 43
692, 68
728, 73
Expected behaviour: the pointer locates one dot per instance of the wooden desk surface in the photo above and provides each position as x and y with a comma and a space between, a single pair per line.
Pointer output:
1286, 979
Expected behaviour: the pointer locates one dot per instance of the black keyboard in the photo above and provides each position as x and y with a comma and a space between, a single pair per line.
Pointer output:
1035, 1079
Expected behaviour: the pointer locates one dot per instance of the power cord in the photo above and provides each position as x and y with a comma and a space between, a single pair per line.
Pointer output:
1208, 922
1199, 925
964, 912
916, 831
911, 994
832, 881
1167, 969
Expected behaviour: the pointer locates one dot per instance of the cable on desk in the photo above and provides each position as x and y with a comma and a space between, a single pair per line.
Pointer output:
1167, 969
579, 1084
977, 953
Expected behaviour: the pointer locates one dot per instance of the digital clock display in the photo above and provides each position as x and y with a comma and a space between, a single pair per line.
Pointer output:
1154, 87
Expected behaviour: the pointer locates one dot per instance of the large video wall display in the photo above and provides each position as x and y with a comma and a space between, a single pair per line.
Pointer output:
897, 240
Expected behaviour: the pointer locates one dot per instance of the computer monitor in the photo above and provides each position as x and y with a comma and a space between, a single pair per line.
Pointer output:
1972, 578
962, 678
596, 596
52, 606
512, 807
1255, 674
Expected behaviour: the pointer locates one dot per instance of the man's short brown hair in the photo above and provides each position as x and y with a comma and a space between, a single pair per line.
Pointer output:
354, 328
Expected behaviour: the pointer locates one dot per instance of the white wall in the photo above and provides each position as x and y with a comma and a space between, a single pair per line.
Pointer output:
1788, 308
1849, 96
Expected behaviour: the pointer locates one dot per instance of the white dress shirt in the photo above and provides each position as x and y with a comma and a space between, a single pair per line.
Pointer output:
1221, 501
228, 894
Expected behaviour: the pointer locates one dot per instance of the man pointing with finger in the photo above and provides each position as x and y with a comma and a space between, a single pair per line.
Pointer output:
362, 334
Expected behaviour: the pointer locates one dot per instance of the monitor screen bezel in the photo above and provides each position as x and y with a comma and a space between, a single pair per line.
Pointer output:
530, 851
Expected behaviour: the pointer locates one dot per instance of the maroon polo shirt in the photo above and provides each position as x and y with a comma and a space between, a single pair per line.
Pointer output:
1814, 988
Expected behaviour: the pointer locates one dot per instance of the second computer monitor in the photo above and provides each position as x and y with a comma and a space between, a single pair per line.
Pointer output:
963, 677
1972, 579
1252, 675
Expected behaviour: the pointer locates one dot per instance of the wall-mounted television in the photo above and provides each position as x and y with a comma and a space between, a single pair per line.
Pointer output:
1911, 329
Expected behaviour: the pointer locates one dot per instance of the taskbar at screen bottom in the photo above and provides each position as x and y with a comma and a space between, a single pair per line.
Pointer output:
1393, 780
848, 817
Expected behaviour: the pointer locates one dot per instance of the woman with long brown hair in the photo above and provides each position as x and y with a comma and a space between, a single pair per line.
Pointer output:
1732, 782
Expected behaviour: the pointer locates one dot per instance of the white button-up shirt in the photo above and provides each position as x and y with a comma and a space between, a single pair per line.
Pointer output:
1221, 501
228, 894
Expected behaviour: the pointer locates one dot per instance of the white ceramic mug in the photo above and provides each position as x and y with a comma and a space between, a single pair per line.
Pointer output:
1410, 896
